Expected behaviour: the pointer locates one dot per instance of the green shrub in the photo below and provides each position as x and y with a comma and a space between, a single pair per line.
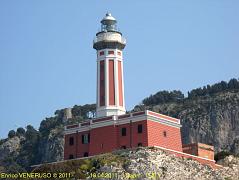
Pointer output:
11, 134
20, 131
221, 155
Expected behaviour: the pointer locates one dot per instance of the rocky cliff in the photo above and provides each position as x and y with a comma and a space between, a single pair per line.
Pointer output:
19, 152
208, 119
213, 120
51, 147
12, 145
144, 163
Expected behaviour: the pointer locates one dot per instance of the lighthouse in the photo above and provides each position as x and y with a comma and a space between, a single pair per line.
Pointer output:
113, 129
109, 44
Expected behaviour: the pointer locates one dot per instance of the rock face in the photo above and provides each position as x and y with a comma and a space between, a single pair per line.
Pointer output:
214, 121
208, 119
18, 152
146, 163
211, 120
12, 145
51, 148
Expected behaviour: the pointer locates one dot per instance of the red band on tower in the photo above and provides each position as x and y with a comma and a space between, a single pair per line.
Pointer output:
102, 83
111, 83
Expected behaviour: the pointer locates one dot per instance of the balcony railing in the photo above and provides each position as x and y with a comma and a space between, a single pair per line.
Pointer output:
109, 37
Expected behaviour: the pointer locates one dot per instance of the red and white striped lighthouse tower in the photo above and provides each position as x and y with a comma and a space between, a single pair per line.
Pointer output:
109, 44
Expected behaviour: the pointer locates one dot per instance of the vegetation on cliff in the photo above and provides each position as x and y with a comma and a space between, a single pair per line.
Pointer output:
162, 97
24, 148
142, 163
208, 115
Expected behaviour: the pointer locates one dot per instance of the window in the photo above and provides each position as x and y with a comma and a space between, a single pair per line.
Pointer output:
71, 141
140, 128
140, 145
86, 154
71, 156
85, 138
123, 147
102, 53
110, 52
165, 134
123, 131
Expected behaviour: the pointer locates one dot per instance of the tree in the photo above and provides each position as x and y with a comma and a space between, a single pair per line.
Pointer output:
28, 154
20, 131
11, 134
47, 125
83, 111
233, 84
31, 134
215, 88
163, 97
221, 155
224, 85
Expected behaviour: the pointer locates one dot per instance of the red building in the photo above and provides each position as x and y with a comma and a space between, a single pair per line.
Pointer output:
107, 134
112, 128
199, 149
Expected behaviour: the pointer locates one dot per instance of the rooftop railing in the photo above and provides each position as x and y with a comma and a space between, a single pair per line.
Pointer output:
121, 118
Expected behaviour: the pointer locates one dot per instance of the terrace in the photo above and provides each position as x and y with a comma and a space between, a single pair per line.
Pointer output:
115, 120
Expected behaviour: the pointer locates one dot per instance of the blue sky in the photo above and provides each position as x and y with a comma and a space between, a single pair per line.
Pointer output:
47, 61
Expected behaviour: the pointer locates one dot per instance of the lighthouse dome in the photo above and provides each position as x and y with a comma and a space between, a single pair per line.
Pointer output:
108, 19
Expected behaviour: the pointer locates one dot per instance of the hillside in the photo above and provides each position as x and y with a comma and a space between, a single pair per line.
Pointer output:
208, 115
24, 148
144, 163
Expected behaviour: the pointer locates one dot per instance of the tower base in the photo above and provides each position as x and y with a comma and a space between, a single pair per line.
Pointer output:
109, 111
